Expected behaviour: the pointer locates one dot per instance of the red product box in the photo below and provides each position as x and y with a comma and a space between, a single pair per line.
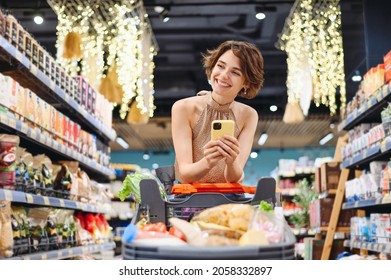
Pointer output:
387, 66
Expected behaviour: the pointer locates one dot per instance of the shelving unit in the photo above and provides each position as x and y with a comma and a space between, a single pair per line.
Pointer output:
15, 126
32, 199
14, 64
67, 253
370, 112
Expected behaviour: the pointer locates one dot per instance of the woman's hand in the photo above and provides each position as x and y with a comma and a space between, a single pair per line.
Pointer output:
229, 148
212, 154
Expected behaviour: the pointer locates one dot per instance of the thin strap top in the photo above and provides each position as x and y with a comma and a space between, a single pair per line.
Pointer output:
201, 136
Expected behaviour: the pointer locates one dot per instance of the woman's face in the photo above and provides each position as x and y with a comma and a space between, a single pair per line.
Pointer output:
227, 77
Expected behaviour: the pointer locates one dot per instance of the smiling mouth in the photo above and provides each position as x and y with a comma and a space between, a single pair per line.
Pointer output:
223, 84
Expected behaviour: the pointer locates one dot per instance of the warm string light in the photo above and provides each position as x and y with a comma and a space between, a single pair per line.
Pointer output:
114, 33
315, 26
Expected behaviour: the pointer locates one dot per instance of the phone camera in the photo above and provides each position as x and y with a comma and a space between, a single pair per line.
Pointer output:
217, 126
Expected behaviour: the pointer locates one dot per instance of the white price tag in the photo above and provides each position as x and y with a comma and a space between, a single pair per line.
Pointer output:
24, 128
52, 85
46, 200
18, 56
29, 198
12, 122
8, 195
62, 202
33, 69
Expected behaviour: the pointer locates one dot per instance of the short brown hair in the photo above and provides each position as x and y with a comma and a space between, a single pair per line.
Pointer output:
251, 61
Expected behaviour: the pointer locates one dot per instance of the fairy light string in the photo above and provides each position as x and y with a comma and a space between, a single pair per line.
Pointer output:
312, 37
114, 33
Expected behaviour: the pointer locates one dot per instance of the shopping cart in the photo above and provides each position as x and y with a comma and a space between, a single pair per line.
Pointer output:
160, 210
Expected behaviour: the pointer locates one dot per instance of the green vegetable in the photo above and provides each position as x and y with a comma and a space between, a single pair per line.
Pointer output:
265, 206
131, 185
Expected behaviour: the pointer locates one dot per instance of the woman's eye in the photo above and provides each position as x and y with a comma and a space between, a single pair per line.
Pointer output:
220, 66
236, 73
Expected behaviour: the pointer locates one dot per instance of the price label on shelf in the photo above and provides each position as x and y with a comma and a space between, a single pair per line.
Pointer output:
29, 198
46, 200
8, 195
52, 85
59, 254
33, 69
42, 138
62, 202
386, 199
44, 256
12, 122
18, 56
24, 127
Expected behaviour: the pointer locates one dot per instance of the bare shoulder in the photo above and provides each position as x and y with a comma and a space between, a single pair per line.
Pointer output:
245, 112
189, 105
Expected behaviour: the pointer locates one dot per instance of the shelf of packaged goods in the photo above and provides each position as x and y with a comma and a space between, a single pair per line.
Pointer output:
14, 64
385, 200
294, 175
324, 229
370, 111
370, 246
35, 135
365, 157
67, 253
32, 199
379, 151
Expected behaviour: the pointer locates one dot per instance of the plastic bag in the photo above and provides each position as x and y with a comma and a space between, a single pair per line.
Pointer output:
131, 185
272, 224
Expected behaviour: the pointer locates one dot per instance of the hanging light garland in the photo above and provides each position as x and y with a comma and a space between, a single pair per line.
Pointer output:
313, 42
116, 34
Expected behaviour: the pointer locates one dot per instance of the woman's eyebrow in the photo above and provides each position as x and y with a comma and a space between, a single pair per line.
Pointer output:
235, 68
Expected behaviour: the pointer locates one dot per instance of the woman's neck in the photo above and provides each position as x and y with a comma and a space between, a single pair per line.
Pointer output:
220, 100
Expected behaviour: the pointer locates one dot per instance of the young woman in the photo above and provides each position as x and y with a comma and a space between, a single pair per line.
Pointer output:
233, 68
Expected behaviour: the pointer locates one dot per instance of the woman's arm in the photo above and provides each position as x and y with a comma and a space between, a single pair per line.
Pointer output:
181, 114
236, 152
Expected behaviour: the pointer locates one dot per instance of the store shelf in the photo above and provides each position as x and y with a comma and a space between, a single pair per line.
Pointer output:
367, 203
325, 229
295, 175
32, 199
376, 247
14, 64
381, 151
67, 253
33, 134
370, 111
365, 157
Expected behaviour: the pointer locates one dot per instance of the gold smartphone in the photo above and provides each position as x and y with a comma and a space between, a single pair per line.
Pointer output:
222, 127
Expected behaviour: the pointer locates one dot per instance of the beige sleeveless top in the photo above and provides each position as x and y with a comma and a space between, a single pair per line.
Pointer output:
201, 136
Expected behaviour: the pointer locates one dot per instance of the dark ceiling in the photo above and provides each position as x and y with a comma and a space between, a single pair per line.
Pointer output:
196, 26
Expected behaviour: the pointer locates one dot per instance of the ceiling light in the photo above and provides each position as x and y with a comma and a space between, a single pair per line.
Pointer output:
146, 156
158, 9
356, 77
273, 108
164, 15
122, 142
262, 139
253, 155
38, 18
260, 15
326, 138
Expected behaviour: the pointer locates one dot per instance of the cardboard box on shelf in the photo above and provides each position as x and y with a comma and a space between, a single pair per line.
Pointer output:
330, 172
320, 213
